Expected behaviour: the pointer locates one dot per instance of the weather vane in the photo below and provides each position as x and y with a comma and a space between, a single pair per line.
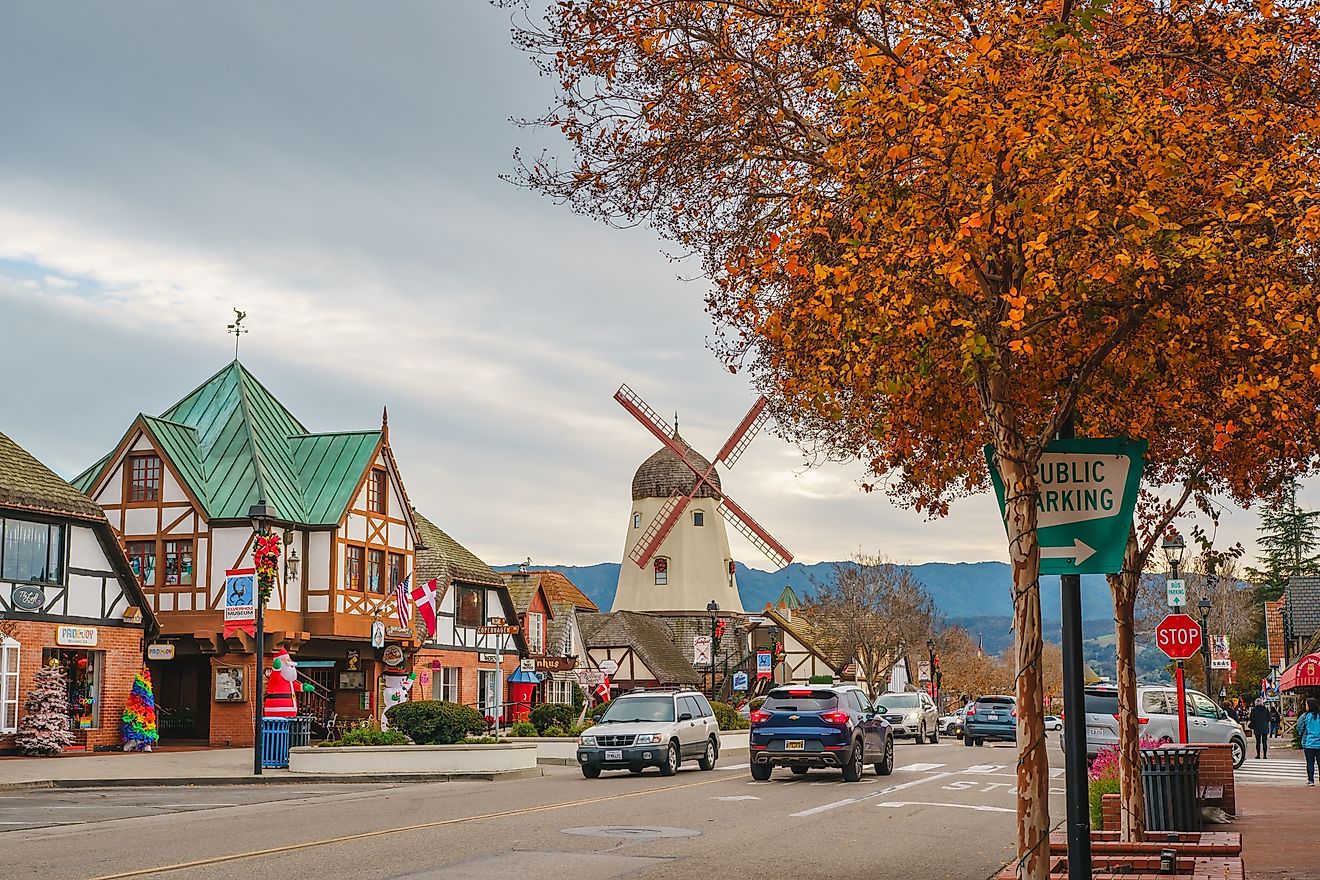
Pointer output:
237, 329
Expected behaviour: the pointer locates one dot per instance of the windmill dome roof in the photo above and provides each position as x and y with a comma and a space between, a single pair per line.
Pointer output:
664, 473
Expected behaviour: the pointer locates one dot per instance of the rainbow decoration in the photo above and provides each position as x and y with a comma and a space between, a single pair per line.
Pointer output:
137, 725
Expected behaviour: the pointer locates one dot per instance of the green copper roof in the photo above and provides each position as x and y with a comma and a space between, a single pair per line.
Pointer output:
233, 443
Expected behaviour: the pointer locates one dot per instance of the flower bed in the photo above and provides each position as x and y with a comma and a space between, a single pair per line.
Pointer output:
477, 759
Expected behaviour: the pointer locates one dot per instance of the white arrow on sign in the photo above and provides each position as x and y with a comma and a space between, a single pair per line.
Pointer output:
1079, 552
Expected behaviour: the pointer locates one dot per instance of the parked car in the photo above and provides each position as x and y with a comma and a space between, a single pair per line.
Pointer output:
1206, 722
820, 726
911, 714
1053, 722
992, 717
651, 728
952, 724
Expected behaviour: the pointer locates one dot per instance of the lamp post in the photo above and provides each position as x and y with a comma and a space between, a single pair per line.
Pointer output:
713, 608
773, 632
1204, 607
930, 649
1174, 547
262, 515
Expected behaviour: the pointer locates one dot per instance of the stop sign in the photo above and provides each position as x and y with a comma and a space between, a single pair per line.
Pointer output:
1178, 636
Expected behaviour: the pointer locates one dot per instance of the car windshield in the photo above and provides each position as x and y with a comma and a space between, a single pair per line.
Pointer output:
900, 701
804, 700
995, 703
1102, 702
627, 709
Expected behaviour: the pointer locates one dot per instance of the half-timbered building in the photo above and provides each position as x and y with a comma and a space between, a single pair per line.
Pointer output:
67, 598
177, 490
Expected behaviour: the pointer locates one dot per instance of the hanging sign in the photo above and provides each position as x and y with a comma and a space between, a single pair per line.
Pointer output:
393, 656
609, 667
1175, 593
27, 597
76, 636
740, 681
701, 650
240, 601
353, 660
1220, 657
765, 664
160, 651
377, 634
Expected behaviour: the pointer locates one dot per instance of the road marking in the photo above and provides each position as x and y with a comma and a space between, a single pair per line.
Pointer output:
889, 790
983, 768
185, 806
983, 808
421, 826
738, 797
919, 768
1056, 772
736, 767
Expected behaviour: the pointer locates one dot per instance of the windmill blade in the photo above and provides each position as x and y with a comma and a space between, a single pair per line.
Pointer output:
753, 531
660, 527
742, 435
652, 421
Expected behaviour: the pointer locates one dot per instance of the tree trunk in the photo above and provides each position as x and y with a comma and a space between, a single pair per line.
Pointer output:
1124, 587
1033, 779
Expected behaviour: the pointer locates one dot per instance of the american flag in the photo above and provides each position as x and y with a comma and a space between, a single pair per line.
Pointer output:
403, 602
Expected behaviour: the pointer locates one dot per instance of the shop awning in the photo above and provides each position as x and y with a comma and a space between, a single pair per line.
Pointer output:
1303, 673
522, 676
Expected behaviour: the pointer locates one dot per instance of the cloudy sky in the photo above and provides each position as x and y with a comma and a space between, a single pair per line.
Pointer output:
333, 169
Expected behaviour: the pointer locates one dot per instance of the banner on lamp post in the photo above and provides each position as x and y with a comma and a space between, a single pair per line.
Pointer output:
1220, 657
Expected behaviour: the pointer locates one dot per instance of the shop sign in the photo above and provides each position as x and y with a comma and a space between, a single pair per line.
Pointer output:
160, 651
27, 597
551, 664
377, 634
609, 667
352, 681
485, 658
354, 660
229, 684
76, 636
527, 665
399, 632
740, 681
393, 656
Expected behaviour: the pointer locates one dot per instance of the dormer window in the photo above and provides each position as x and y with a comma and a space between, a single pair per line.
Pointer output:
698, 517
661, 566
377, 488
143, 478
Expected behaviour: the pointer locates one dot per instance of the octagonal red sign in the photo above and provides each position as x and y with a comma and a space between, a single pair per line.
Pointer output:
1178, 636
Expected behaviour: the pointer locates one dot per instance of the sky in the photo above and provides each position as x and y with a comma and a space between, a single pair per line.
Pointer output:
335, 171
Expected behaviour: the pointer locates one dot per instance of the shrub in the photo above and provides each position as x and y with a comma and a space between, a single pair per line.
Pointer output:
478, 741
547, 715
821, 679
523, 728
579, 698
728, 717
554, 730
1096, 790
432, 722
368, 736
755, 703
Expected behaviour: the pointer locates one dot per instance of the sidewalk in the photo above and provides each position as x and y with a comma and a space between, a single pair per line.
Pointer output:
194, 766
1279, 828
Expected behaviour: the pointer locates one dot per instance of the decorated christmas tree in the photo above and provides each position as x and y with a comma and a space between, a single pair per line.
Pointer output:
137, 725
44, 729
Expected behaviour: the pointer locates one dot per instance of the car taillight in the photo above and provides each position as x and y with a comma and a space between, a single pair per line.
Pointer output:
759, 716
971, 710
799, 693
1139, 720
1013, 713
835, 717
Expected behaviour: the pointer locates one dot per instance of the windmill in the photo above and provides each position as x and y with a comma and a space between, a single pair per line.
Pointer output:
650, 540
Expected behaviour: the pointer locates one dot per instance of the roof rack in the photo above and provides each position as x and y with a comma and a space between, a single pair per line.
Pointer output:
660, 689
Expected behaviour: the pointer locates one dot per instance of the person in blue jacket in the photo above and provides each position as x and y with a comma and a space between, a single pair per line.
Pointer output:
1308, 725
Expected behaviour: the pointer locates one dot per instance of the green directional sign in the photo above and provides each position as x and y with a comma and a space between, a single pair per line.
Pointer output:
1088, 489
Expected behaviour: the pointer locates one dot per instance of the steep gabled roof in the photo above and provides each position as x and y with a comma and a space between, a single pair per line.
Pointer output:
558, 588
27, 484
647, 635
440, 556
819, 640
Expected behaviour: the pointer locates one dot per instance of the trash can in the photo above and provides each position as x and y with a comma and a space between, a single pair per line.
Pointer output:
1169, 780
300, 731
275, 742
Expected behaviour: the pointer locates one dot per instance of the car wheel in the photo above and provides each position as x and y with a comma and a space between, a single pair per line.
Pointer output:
1239, 752
980, 740
852, 771
885, 767
967, 740
935, 737
707, 761
670, 766
590, 771
921, 735
799, 771
761, 772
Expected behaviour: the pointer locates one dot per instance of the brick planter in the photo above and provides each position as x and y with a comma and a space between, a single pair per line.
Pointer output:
1143, 867
1225, 844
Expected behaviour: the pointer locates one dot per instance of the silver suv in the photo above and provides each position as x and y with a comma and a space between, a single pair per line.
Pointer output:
911, 714
651, 728
1206, 722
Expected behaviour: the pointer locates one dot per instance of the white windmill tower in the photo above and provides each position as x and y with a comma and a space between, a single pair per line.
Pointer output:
676, 550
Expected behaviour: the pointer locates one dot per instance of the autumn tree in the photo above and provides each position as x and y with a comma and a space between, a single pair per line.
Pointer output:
966, 670
933, 226
875, 610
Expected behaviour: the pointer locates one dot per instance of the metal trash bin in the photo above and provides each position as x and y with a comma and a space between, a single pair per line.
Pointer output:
300, 731
1169, 780
275, 742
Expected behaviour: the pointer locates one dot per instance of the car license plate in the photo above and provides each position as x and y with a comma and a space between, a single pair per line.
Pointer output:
614, 754
794, 745
992, 718
1095, 731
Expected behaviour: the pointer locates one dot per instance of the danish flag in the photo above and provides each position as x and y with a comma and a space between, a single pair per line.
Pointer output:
425, 595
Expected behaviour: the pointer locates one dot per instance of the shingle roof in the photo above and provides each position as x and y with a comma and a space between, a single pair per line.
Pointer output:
1304, 606
663, 474
558, 588
233, 444
558, 632
522, 589
820, 640
27, 484
440, 556
647, 635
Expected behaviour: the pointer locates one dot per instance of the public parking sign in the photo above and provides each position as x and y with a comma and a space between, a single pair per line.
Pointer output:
1087, 490
1178, 636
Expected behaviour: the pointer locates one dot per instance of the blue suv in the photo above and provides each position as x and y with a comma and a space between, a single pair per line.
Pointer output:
992, 717
820, 726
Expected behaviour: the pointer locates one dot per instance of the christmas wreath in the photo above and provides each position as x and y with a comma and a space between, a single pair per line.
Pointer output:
266, 549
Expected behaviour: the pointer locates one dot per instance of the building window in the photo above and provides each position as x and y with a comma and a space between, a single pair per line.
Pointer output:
143, 478
142, 557
535, 633
661, 570
82, 676
559, 691
377, 487
178, 563
444, 684
471, 606
8, 686
376, 571
397, 569
486, 691
353, 563
698, 517
32, 551
637, 520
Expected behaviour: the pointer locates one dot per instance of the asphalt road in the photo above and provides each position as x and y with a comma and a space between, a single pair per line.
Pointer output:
946, 812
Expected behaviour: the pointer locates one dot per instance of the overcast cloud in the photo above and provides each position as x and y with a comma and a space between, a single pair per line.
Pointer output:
333, 170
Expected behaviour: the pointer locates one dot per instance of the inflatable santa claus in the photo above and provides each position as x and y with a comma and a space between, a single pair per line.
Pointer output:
282, 687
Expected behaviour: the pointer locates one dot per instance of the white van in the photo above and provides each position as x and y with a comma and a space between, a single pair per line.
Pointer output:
1206, 722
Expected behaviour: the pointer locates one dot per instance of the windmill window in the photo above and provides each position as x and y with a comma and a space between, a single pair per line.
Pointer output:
637, 520
661, 571
144, 478
698, 517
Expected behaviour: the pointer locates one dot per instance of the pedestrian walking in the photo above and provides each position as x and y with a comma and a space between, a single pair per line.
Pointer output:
1308, 726
1274, 721
1260, 726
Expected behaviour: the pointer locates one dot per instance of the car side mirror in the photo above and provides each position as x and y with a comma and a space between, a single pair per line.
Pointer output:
880, 710
686, 716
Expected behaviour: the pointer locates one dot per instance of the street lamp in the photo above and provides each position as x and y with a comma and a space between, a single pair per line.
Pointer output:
262, 515
773, 632
930, 649
1174, 547
1204, 606
713, 608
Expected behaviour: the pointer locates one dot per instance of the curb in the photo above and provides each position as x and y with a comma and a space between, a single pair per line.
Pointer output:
572, 762
283, 778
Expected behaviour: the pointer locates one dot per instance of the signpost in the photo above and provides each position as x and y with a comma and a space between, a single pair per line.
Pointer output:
1179, 637
1175, 592
497, 627
1087, 490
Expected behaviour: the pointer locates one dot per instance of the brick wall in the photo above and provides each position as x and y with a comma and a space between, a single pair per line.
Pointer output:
1217, 769
1111, 812
119, 651
232, 723
466, 662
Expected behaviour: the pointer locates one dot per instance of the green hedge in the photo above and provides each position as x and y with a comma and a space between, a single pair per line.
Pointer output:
1097, 789
523, 728
368, 737
549, 715
821, 679
432, 722
728, 717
